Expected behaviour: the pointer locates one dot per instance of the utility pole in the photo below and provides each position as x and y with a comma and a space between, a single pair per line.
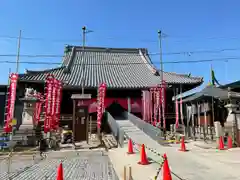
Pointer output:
83, 49
161, 74
18, 51
160, 53
84, 32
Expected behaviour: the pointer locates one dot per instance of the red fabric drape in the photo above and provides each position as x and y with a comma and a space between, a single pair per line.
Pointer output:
122, 102
136, 105
108, 101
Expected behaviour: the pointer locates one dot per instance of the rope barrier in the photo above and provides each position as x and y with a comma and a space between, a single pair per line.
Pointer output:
154, 152
159, 170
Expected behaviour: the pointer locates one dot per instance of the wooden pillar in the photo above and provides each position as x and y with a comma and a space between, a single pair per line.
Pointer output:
187, 121
199, 119
205, 119
213, 117
87, 131
90, 128
175, 95
74, 121
193, 123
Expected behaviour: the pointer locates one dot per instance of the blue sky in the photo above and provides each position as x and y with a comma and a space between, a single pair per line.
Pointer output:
188, 25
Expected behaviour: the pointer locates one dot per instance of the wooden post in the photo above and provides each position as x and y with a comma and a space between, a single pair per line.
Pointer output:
87, 126
213, 117
74, 121
90, 127
129, 176
130, 173
124, 173
193, 123
199, 119
205, 120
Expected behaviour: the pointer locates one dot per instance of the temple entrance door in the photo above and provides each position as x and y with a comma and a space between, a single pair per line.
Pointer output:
81, 122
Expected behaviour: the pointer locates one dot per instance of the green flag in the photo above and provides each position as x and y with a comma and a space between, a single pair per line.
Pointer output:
214, 81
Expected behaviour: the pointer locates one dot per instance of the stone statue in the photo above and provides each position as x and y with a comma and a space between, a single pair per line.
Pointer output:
29, 92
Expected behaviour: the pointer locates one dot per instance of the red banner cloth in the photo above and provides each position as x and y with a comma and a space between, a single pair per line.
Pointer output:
11, 102
101, 103
48, 103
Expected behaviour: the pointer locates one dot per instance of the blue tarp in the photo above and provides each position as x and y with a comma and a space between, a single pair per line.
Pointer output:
3, 144
4, 139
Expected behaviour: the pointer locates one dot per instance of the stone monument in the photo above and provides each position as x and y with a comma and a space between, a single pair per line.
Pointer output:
232, 124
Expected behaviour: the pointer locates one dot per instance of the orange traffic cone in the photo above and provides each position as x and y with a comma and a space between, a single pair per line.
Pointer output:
229, 142
221, 145
143, 156
60, 172
130, 147
183, 146
166, 170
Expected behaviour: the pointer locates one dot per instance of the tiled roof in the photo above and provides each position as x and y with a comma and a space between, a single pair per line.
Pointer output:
212, 91
117, 67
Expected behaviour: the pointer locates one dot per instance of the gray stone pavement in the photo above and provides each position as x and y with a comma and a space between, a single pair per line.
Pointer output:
84, 165
196, 164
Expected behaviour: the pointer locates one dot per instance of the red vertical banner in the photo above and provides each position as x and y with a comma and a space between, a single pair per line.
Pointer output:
163, 95
11, 102
39, 107
148, 105
101, 101
104, 87
159, 99
144, 105
155, 106
35, 110
151, 105
48, 103
58, 103
53, 103
181, 106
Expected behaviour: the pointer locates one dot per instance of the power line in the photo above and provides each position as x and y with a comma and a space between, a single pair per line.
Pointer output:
114, 38
189, 53
132, 63
72, 40
39, 39
32, 56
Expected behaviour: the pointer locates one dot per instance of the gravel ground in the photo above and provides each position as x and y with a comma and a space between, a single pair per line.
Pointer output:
84, 165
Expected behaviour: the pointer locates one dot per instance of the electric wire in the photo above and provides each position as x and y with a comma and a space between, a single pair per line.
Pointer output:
128, 63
